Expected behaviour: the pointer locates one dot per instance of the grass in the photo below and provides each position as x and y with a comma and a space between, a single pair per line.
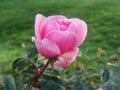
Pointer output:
17, 24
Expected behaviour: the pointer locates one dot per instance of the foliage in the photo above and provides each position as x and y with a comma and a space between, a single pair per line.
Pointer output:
9, 82
35, 72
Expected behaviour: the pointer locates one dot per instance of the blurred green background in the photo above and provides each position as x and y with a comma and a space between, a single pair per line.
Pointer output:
17, 24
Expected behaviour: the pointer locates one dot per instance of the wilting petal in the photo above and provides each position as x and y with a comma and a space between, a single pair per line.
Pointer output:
47, 48
81, 29
38, 23
64, 39
66, 59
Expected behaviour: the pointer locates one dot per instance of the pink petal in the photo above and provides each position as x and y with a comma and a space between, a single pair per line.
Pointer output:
47, 48
55, 17
81, 29
38, 24
64, 39
67, 58
72, 28
51, 24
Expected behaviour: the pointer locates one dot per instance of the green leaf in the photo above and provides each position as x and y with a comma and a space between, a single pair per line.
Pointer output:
35, 59
17, 62
32, 52
29, 81
20, 63
106, 75
19, 84
29, 70
85, 87
9, 82
57, 80
51, 85
23, 65
28, 87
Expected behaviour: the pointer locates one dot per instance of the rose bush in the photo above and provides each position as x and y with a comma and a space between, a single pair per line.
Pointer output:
59, 37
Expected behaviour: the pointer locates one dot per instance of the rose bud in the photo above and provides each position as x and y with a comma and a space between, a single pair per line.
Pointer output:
59, 37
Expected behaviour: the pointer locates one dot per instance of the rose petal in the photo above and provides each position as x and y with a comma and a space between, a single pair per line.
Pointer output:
72, 28
47, 48
51, 24
64, 39
66, 59
38, 23
81, 29
55, 17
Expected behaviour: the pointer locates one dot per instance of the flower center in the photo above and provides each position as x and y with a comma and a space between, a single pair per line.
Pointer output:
63, 24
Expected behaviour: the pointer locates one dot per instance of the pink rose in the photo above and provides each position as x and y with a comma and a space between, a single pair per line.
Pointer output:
58, 37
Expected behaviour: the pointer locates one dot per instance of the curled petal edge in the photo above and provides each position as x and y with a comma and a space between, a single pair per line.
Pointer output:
66, 59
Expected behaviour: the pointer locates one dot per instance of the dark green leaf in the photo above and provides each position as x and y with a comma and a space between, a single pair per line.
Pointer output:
85, 87
55, 72
51, 85
18, 62
106, 75
29, 81
9, 82
46, 77
32, 52
21, 66
29, 70
19, 84
21, 62
35, 59
57, 80
28, 87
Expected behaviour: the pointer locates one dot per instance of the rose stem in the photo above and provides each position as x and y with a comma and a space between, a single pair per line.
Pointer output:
44, 68
41, 72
